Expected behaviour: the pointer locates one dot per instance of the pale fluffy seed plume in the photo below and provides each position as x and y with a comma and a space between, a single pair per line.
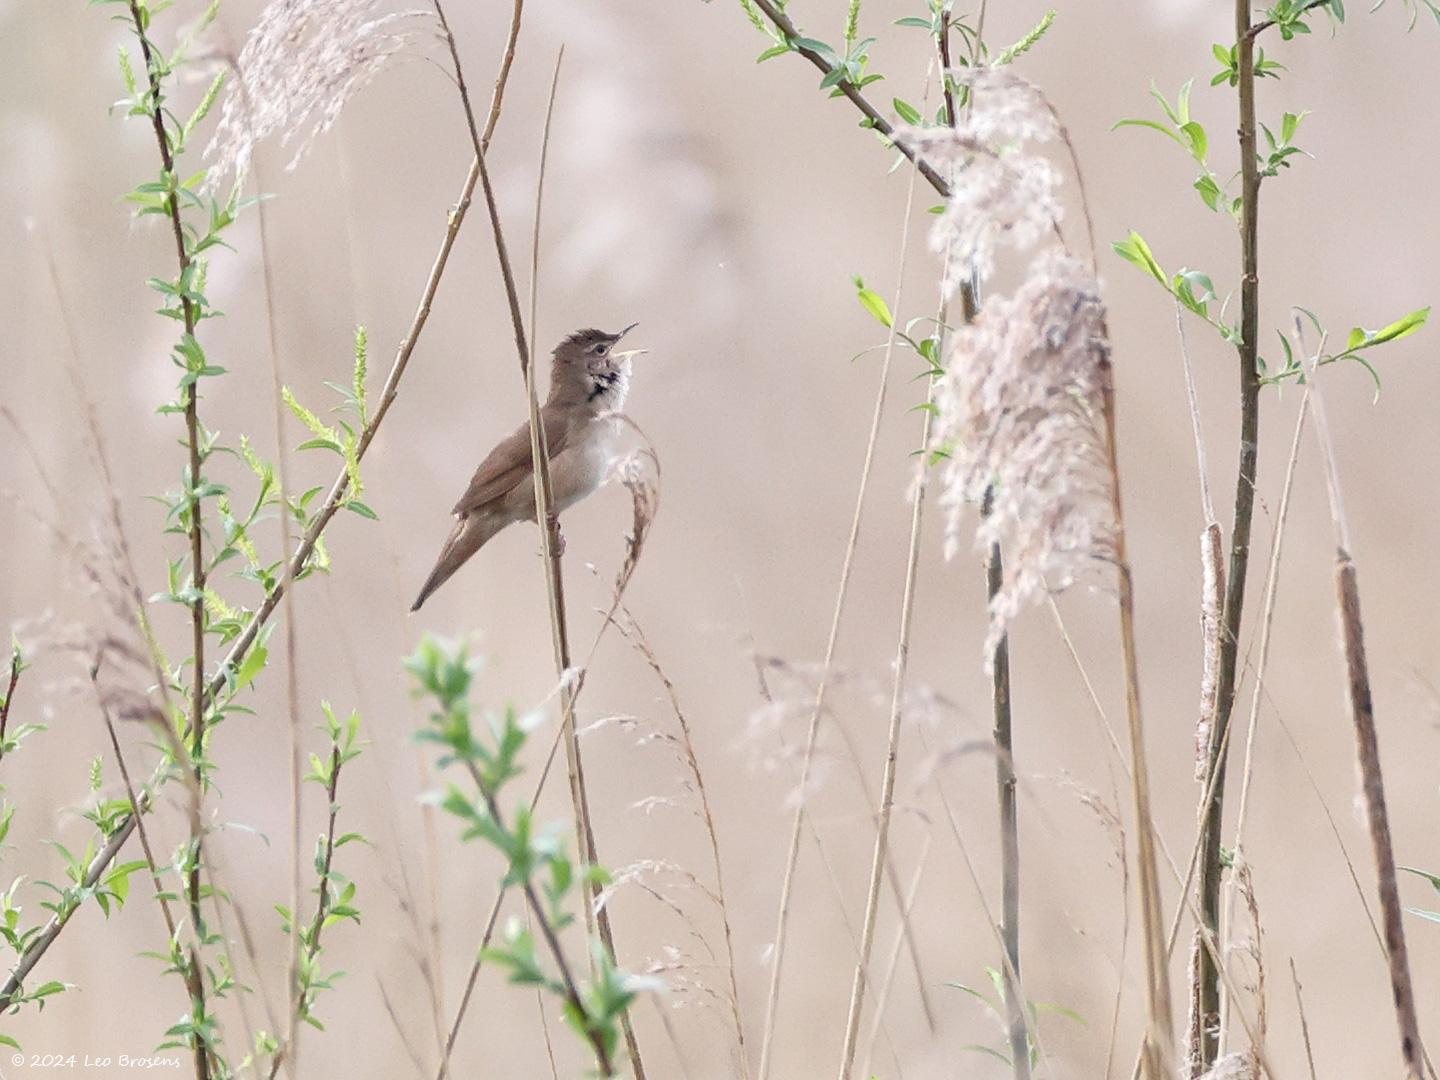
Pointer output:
1001, 191
301, 63
1020, 418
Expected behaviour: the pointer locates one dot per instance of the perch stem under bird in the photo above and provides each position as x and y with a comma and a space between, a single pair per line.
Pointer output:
589, 379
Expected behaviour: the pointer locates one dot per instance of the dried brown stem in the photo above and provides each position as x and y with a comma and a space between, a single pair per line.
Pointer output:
1304, 1023
887, 786
1367, 748
1159, 1034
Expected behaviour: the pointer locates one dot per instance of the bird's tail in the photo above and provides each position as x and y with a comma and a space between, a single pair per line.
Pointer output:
469, 536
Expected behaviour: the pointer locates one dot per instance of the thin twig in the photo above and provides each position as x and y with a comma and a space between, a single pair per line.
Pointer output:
1304, 1023
887, 787
310, 942
9, 697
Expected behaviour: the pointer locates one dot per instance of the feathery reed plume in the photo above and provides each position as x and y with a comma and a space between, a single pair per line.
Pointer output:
999, 191
1020, 413
300, 65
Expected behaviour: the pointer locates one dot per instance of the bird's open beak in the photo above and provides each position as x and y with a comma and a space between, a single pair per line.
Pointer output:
626, 330
627, 354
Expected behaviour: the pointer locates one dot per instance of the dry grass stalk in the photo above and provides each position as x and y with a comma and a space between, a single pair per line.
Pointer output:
1367, 746
1304, 1022
887, 981
792, 855
637, 639
887, 786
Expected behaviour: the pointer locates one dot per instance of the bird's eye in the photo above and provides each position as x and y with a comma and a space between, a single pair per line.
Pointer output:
601, 349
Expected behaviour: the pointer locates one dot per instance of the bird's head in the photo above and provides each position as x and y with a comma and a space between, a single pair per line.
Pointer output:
589, 368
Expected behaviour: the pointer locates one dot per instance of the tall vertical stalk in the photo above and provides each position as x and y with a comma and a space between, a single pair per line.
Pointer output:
1205, 989
195, 533
1159, 1035
1009, 825
1367, 748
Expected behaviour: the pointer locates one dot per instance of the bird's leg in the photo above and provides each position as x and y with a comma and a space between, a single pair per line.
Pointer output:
557, 538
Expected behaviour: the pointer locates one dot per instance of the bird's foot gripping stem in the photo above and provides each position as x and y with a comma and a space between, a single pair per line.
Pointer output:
557, 538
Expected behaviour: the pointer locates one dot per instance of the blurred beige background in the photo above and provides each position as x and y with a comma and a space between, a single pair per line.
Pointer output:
724, 206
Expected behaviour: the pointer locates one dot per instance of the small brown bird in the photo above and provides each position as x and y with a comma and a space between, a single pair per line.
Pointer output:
588, 383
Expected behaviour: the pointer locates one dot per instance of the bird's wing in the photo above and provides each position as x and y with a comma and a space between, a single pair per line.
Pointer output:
510, 462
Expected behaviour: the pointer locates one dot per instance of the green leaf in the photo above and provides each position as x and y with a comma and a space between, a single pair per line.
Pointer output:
1199, 144
874, 304
906, 111
250, 666
1134, 249
1154, 126
1360, 338
1209, 191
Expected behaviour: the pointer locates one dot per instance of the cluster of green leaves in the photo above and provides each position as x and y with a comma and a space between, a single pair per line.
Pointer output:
927, 347
344, 440
1291, 17
993, 1002
1193, 289
334, 891
488, 750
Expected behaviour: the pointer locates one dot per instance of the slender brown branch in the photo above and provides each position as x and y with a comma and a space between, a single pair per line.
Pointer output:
1304, 1023
1205, 989
875, 120
15, 666
198, 702
309, 943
